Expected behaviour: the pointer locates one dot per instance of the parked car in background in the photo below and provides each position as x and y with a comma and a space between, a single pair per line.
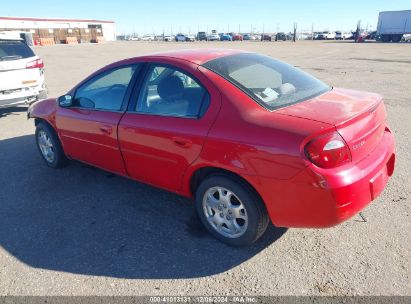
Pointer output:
406, 37
180, 37
348, 35
247, 37
237, 37
133, 39
338, 35
190, 38
226, 37
202, 36
320, 36
21, 73
214, 37
330, 36
371, 35
266, 37
148, 38
251, 139
169, 38
305, 36
280, 37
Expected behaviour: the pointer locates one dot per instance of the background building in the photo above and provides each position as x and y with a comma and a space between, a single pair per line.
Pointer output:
59, 29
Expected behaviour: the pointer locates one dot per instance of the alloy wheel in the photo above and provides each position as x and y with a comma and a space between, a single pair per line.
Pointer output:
225, 212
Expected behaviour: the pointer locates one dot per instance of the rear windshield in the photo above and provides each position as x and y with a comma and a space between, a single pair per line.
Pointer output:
13, 50
271, 83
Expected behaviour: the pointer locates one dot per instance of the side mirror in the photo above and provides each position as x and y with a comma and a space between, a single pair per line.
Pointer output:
65, 101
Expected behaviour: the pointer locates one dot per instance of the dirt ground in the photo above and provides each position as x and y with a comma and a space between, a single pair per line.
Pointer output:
82, 231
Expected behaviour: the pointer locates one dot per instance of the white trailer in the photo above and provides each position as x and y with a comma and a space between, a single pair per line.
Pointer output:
393, 25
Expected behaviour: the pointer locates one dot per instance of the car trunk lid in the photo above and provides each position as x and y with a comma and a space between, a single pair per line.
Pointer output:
359, 117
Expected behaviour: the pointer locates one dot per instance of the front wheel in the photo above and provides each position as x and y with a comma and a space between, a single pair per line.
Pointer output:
230, 210
49, 146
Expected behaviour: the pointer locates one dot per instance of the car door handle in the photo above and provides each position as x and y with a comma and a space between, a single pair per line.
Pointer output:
106, 129
182, 142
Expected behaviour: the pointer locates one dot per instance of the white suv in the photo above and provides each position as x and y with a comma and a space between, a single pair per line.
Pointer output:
21, 73
148, 38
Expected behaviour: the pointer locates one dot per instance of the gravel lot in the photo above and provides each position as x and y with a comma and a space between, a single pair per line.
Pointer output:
82, 231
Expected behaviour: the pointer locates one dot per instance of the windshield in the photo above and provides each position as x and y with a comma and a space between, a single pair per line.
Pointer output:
13, 50
271, 83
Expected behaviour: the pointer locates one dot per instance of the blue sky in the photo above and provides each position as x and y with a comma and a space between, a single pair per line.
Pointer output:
224, 15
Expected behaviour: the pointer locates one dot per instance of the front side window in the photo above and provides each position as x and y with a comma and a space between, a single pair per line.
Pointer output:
105, 91
271, 83
171, 92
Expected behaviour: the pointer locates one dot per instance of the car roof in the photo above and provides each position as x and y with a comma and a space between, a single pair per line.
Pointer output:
11, 39
12, 35
197, 56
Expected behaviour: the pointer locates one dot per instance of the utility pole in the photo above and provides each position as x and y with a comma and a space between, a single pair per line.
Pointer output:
357, 32
312, 31
295, 31
263, 32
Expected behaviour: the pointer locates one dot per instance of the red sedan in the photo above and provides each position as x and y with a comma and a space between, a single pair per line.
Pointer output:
238, 37
250, 138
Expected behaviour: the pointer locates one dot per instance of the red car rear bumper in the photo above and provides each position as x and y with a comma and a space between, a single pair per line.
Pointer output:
318, 198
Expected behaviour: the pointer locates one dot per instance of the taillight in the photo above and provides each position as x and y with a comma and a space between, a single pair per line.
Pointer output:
328, 151
35, 64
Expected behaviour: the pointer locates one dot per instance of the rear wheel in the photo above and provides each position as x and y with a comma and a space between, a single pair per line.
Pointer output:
49, 146
230, 210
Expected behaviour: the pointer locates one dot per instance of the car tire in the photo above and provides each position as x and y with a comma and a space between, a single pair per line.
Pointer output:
238, 217
49, 146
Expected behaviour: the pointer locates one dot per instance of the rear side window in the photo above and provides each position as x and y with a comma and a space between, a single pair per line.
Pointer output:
170, 92
271, 83
14, 50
